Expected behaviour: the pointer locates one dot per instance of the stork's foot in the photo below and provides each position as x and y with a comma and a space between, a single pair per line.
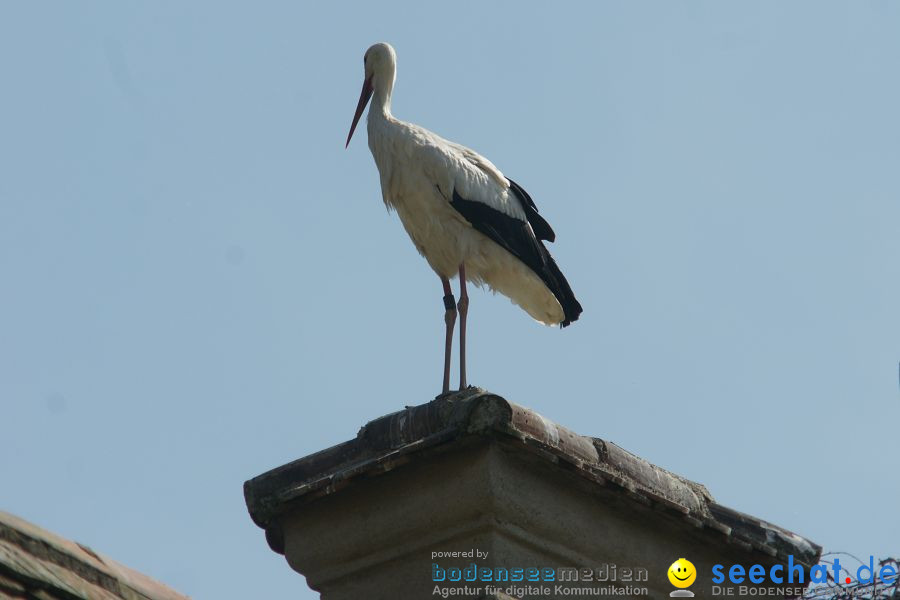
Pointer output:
467, 390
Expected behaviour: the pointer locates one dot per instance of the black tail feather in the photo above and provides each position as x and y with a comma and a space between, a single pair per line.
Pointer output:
519, 238
559, 285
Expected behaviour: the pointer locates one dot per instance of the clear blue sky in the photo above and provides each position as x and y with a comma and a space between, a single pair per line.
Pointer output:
198, 283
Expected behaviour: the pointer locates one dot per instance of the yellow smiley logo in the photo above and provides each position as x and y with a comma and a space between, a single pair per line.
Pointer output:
682, 573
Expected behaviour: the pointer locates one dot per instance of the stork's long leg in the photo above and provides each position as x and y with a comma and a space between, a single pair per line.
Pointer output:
463, 307
450, 320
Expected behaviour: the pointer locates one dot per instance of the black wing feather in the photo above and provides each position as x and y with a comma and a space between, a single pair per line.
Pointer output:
517, 238
541, 227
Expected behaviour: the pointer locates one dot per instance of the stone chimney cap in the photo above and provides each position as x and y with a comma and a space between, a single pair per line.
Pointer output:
452, 420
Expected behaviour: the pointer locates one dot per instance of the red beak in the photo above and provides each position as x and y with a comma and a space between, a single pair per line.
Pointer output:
364, 96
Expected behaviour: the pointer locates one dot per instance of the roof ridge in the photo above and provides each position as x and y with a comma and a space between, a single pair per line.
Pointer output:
394, 439
42, 559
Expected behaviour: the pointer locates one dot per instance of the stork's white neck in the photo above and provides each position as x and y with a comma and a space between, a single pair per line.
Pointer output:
381, 101
383, 86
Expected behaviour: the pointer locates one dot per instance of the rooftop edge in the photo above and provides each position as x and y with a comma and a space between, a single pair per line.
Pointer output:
389, 440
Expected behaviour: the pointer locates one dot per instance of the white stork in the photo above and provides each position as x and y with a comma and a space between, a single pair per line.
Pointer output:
462, 214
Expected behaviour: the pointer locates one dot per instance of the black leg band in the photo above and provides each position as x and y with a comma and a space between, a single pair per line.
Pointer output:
449, 302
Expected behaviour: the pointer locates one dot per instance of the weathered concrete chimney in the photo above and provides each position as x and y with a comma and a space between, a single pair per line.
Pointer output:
471, 495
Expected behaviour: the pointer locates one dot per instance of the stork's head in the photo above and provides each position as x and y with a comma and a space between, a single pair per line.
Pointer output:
380, 63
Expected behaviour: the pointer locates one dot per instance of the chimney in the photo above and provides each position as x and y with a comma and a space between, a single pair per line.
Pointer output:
473, 496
